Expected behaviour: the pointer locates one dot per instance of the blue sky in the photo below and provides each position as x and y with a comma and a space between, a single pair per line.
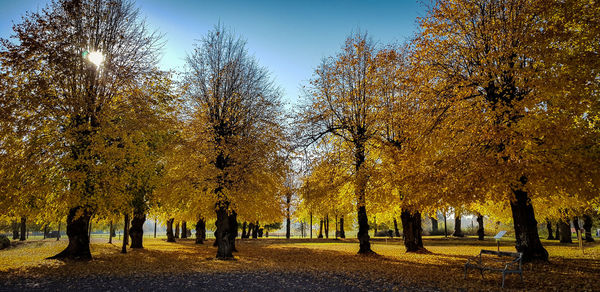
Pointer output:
288, 37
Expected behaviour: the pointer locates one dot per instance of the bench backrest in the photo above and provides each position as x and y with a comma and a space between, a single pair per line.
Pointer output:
515, 255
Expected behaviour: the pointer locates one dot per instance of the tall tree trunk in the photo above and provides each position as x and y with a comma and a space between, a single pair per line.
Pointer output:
79, 242
90, 230
320, 229
565, 231
587, 225
557, 236
15, 230
183, 229
45, 231
125, 234
336, 227
457, 226
360, 189
155, 224
411, 226
110, 232
170, 236
527, 238
244, 229
287, 224
223, 231
136, 232
342, 232
200, 231
480, 230
396, 231
177, 230
327, 226
23, 228
434, 225
549, 227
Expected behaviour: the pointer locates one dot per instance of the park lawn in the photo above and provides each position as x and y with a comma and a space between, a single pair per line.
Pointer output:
568, 269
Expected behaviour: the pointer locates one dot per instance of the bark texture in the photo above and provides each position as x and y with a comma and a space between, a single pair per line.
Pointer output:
412, 230
457, 226
183, 229
526, 232
223, 233
78, 220
342, 232
177, 230
125, 234
23, 229
320, 229
565, 231
170, 236
244, 229
434, 225
200, 231
15, 230
136, 232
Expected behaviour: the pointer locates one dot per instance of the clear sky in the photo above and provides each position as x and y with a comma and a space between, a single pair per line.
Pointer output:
288, 37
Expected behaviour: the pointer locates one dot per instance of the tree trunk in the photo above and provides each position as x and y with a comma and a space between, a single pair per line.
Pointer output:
177, 230
557, 236
79, 242
90, 230
110, 232
549, 227
250, 229
565, 231
136, 232
15, 230
457, 228
255, 230
434, 225
359, 190
411, 226
45, 231
125, 234
320, 229
587, 225
576, 225
480, 230
287, 225
234, 230
155, 224
244, 229
200, 231
170, 236
342, 232
445, 225
327, 226
526, 232
58, 235
183, 229
396, 231
23, 228
223, 232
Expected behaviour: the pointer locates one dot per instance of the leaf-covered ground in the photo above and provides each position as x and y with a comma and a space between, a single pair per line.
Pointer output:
276, 264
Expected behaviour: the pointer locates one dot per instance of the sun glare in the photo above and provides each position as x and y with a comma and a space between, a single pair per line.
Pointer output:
96, 58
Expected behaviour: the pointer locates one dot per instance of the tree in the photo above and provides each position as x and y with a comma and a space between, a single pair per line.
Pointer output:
342, 102
524, 95
236, 106
77, 98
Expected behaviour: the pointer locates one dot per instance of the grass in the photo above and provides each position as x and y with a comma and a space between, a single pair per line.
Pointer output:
568, 269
